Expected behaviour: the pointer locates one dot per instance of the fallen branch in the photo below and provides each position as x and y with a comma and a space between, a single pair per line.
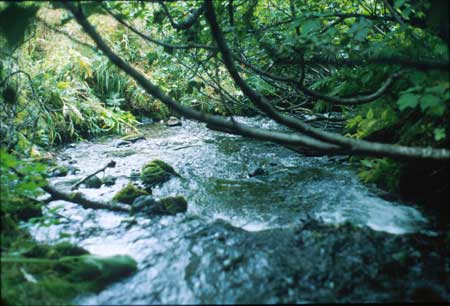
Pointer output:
78, 198
111, 164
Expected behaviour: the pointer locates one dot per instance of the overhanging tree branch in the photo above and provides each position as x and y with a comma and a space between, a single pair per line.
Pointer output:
320, 140
217, 121
352, 145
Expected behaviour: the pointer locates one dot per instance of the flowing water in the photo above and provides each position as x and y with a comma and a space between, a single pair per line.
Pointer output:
267, 238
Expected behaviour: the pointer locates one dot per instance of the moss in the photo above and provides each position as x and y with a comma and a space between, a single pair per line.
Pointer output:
98, 271
52, 275
174, 205
59, 171
156, 172
23, 208
128, 194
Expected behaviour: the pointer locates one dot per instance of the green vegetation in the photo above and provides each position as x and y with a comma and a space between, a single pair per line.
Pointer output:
368, 79
156, 172
128, 193
40, 274
174, 205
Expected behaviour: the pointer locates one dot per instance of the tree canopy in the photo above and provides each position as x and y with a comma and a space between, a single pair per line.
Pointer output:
275, 57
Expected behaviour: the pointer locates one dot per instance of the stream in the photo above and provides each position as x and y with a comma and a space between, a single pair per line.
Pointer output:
264, 225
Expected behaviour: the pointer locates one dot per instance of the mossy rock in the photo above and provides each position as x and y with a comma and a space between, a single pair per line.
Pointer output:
98, 271
128, 193
54, 274
58, 171
93, 182
55, 251
156, 172
174, 205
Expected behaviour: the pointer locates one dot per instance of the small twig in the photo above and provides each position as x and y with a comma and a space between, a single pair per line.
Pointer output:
111, 164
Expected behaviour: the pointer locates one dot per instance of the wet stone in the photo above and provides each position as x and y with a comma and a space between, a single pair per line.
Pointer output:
109, 180
93, 182
133, 138
122, 143
256, 172
173, 121
142, 202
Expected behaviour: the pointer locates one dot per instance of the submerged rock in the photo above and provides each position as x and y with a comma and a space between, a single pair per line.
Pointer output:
121, 153
174, 205
128, 194
256, 172
173, 121
133, 138
122, 143
141, 202
156, 172
166, 206
109, 180
93, 182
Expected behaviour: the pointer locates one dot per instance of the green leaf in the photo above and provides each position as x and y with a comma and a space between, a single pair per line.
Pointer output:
310, 26
439, 134
398, 3
418, 78
428, 101
367, 163
408, 100
361, 29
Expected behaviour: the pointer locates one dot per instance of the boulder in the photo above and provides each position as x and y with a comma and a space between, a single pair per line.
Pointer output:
156, 172
128, 194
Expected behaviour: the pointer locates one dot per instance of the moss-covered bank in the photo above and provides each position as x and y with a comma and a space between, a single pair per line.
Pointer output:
42, 274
